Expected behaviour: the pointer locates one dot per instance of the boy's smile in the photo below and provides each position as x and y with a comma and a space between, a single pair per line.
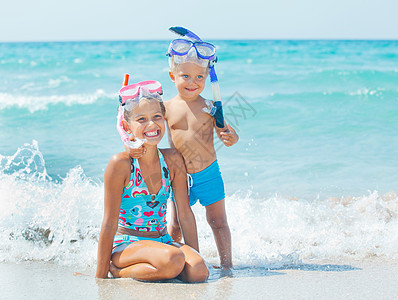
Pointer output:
189, 79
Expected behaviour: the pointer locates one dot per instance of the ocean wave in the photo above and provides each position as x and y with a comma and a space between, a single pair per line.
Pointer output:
35, 103
27, 163
268, 230
364, 92
46, 220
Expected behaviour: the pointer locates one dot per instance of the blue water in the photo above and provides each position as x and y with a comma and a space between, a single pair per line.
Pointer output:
317, 120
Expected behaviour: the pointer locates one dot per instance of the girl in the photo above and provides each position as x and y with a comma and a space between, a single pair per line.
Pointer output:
133, 240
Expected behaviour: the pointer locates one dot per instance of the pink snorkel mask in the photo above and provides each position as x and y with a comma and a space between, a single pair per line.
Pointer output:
129, 96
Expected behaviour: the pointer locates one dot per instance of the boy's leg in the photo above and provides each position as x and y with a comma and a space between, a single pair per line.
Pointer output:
217, 219
174, 226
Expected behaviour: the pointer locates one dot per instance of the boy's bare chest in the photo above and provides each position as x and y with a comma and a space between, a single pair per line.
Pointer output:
189, 119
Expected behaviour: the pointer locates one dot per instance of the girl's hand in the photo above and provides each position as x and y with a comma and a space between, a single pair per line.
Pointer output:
229, 136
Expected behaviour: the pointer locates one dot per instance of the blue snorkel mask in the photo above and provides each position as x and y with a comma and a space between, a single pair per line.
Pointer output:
192, 47
182, 47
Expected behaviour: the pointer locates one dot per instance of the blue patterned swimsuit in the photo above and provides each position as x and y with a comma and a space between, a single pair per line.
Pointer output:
141, 211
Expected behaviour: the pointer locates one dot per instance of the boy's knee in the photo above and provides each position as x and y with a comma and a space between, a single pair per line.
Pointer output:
217, 223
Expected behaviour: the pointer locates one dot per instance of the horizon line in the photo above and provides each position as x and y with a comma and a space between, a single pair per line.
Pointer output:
218, 39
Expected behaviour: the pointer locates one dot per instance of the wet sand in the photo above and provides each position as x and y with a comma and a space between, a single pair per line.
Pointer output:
359, 280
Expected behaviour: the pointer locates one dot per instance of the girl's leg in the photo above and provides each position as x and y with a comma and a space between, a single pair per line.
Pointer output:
195, 269
148, 260
174, 226
217, 219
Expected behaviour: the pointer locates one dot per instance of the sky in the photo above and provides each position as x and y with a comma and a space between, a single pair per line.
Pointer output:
81, 20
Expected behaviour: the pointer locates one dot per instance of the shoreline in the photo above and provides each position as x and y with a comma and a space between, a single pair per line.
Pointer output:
319, 280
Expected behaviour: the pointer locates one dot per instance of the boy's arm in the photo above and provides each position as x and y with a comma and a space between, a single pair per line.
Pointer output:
169, 137
135, 152
227, 134
185, 215
169, 107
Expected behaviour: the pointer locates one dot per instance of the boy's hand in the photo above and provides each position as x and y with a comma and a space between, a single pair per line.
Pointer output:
137, 152
229, 136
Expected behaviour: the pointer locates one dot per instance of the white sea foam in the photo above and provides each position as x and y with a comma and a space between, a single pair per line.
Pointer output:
35, 103
265, 230
44, 220
54, 83
367, 92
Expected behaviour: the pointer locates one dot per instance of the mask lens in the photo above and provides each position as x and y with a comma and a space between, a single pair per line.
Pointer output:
152, 86
131, 92
181, 46
137, 90
205, 49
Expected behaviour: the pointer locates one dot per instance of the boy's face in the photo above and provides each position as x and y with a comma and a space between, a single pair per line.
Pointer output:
189, 79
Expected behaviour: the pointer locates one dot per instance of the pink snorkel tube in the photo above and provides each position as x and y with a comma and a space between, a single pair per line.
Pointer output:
119, 126
123, 134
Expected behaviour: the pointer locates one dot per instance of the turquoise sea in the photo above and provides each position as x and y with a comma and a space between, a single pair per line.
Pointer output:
318, 149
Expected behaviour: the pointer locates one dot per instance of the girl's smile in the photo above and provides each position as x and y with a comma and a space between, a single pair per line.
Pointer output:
153, 133
147, 121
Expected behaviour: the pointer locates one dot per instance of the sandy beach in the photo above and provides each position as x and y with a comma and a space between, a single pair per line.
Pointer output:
359, 280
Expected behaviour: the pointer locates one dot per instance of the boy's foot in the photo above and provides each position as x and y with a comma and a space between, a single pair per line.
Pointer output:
224, 271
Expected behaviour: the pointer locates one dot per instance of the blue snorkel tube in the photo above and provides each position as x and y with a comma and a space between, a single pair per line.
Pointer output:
218, 115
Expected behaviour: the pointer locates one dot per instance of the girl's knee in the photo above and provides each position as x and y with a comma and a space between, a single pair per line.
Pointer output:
197, 273
174, 262
176, 256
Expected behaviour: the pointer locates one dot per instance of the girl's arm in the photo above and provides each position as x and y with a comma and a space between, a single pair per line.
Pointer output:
178, 175
114, 181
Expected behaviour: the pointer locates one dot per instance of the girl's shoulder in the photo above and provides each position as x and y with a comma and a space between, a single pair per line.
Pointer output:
119, 162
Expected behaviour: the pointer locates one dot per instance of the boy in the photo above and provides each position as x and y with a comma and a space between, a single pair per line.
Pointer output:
191, 133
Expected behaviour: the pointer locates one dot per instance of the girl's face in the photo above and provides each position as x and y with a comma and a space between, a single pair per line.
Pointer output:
189, 79
147, 121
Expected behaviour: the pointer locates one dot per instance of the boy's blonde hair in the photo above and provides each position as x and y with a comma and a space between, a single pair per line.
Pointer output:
174, 65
